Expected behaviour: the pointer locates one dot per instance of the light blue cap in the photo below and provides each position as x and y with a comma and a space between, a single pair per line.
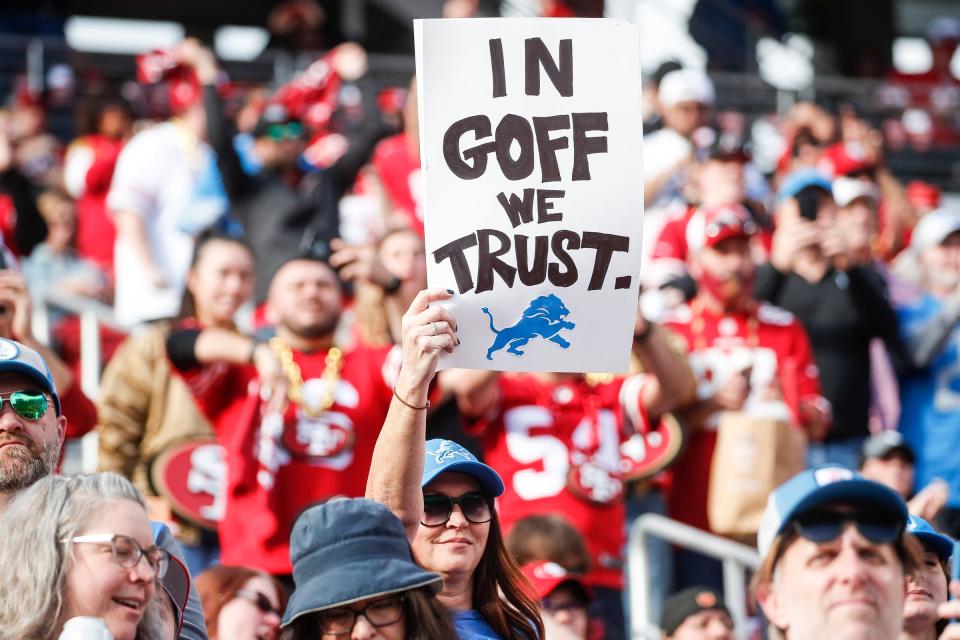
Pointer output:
930, 538
445, 455
794, 183
818, 486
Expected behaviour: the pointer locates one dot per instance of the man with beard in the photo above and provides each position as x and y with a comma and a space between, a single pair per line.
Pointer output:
929, 391
301, 427
31, 425
748, 357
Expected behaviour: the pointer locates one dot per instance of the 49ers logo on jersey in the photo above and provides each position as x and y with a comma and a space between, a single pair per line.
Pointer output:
329, 435
590, 481
192, 475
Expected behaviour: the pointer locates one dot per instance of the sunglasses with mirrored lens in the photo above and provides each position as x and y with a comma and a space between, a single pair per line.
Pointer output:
26, 404
438, 508
824, 526
259, 600
288, 131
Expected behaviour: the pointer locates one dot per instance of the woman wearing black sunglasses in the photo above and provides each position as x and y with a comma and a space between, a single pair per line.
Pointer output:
241, 603
444, 496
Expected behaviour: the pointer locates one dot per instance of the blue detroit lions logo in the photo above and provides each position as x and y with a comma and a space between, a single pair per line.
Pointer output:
449, 450
543, 318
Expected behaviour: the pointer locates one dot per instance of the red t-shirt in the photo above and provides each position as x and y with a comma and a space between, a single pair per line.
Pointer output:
280, 465
539, 438
400, 174
775, 348
95, 229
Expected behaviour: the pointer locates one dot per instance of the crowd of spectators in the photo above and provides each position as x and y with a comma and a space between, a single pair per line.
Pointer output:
266, 254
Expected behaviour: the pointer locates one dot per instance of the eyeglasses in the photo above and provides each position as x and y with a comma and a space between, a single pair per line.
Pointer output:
438, 508
824, 526
379, 613
259, 600
288, 131
26, 404
127, 552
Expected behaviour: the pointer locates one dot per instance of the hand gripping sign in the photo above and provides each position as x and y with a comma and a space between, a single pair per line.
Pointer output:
530, 138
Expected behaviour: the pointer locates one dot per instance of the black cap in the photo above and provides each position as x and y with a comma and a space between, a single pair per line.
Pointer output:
664, 69
885, 444
688, 602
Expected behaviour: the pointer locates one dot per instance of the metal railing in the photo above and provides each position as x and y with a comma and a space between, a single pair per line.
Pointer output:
736, 558
79, 456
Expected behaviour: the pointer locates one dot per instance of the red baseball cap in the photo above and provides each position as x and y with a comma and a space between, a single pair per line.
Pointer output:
844, 158
712, 224
547, 576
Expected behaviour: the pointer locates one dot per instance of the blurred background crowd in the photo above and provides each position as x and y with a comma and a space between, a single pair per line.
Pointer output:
162, 166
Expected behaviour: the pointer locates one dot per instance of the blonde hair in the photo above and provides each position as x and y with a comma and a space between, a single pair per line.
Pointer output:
36, 553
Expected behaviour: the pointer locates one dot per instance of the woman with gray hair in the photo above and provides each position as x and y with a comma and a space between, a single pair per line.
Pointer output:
78, 546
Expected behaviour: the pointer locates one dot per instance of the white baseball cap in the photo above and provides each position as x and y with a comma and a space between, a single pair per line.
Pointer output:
934, 228
686, 85
846, 190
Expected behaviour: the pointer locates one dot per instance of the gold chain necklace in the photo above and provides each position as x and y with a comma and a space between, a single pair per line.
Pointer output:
331, 375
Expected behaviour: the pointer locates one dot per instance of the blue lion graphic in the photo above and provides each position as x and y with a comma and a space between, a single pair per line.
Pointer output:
543, 318
448, 451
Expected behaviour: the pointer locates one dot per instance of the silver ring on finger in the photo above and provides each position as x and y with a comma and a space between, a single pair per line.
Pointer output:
434, 325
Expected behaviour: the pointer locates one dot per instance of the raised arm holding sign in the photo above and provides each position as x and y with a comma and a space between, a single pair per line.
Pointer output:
531, 137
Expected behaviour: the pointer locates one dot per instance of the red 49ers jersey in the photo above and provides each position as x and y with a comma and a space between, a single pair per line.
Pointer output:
557, 448
400, 175
277, 466
770, 344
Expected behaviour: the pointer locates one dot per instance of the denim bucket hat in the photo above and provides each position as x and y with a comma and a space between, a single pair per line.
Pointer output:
347, 550
447, 455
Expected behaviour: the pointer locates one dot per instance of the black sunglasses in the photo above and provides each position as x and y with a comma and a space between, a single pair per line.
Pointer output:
438, 508
259, 600
824, 525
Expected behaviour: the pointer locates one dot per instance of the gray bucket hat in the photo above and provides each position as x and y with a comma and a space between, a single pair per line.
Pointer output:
347, 550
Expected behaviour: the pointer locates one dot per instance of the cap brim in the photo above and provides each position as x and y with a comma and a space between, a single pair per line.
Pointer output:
176, 583
939, 544
903, 450
327, 587
946, 233
489, 480
12, 366
855, 492
725, 234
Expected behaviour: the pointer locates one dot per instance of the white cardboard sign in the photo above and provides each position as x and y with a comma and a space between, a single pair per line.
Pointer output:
530, 143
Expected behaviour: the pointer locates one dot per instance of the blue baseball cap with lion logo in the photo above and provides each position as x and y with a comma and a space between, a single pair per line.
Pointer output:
818, 486
19, 358
447, 455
